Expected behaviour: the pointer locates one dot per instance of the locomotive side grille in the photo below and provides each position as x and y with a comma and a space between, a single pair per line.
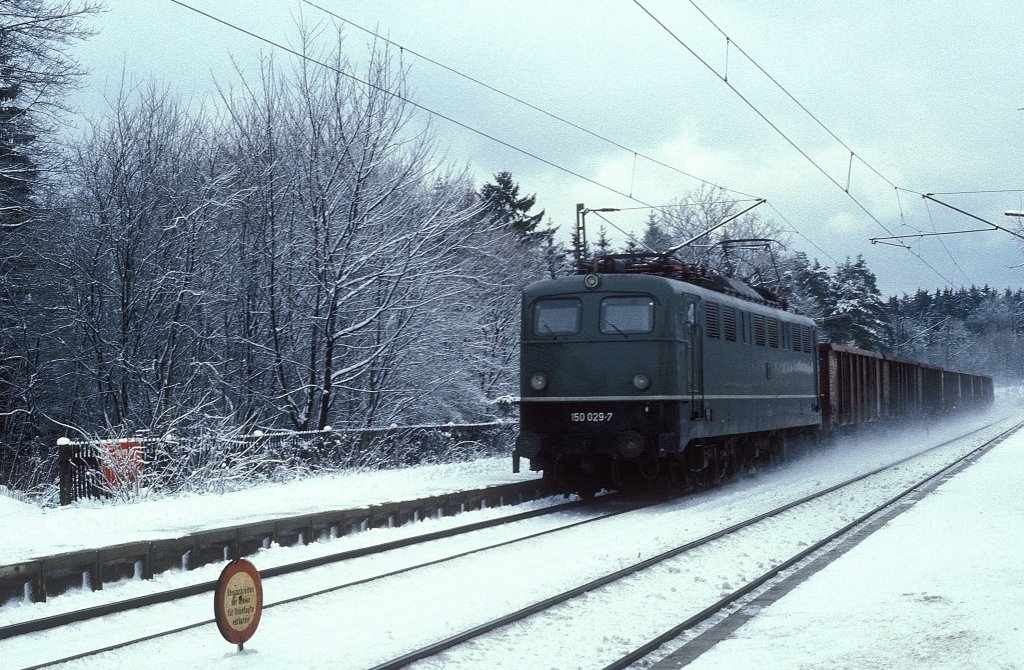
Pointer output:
729, 323
773, 333
713, 321
759, 330
805, 332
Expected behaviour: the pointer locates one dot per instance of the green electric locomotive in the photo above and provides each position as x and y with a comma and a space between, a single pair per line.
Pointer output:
642, 372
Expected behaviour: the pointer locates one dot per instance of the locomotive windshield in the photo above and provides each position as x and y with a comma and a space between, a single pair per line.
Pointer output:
627, 315
556, 316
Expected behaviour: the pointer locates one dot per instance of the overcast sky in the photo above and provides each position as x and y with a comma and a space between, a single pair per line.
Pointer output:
927, 93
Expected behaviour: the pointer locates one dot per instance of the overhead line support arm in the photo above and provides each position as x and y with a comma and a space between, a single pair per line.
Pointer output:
930, 196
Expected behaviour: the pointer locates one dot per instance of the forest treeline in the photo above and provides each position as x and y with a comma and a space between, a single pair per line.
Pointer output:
297, 259
975, 329
298, 255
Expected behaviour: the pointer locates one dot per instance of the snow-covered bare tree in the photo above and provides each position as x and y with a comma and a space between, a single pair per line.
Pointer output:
352, 238
699, 211
302, 259
36, 70
146, 259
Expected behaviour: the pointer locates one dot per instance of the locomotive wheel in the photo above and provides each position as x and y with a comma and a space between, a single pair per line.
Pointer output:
551, 482
777, 449
749, 457
726, 462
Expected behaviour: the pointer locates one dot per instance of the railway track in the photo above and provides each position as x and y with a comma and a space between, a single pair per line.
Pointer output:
786, 575
37, 578
590, 511
716, 608
445, 652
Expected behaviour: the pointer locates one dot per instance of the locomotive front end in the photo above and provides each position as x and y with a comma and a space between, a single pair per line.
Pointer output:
604, 368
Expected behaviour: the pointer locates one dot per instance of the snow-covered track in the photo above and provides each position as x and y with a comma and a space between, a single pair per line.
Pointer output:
548, 605
785, 576
77, 616
46, 576
592, 511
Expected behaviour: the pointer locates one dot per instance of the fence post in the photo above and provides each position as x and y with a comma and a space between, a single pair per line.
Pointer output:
64, 464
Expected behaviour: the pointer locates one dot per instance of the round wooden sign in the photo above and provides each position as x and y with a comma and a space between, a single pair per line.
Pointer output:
238, 601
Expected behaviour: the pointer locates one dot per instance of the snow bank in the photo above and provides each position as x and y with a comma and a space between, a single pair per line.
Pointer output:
937, 587
30, 532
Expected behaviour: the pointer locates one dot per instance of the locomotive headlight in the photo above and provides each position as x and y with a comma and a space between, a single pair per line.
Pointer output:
641, 381
538, 381
592, 281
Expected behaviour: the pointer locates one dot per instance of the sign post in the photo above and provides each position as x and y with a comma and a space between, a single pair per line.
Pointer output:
238, 601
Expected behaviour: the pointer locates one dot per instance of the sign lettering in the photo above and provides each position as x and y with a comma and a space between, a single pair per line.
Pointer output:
238, 602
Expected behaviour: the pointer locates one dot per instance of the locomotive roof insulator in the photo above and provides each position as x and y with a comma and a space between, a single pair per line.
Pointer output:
673, 268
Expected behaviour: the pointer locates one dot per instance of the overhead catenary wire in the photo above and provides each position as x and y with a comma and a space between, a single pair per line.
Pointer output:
761, 114
497, 140
612, 142
943, 243
411, 102
521, 101
853, 154
558, 118
797, 231
687, 204
645, 205
730, 41
629, 235
785, 136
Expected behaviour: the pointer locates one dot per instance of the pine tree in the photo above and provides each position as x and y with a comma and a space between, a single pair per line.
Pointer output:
35, 72
655, 236
806, 285
503, 206
858, 316
18, 172
603, 244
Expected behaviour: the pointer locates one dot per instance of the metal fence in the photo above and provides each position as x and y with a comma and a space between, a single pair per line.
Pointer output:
79, 471
123, 467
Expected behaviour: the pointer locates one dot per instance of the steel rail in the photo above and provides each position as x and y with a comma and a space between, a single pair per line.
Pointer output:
206, 545
460, 638
78, 616
774, 572
317, 562
479, 630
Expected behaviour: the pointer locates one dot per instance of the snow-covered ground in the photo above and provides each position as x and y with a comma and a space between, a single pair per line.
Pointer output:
30, 532
939, 587
355, 625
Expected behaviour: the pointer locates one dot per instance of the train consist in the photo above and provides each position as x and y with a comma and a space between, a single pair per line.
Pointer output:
642, 370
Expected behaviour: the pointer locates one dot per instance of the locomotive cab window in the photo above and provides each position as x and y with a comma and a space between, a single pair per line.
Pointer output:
627, 315
556, 316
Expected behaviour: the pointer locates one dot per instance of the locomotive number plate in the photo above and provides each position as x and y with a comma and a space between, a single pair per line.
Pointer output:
590, 417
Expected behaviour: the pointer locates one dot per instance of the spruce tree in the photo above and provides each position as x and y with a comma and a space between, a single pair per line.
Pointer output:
655, 236
858, 315
503, 205
36, 70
